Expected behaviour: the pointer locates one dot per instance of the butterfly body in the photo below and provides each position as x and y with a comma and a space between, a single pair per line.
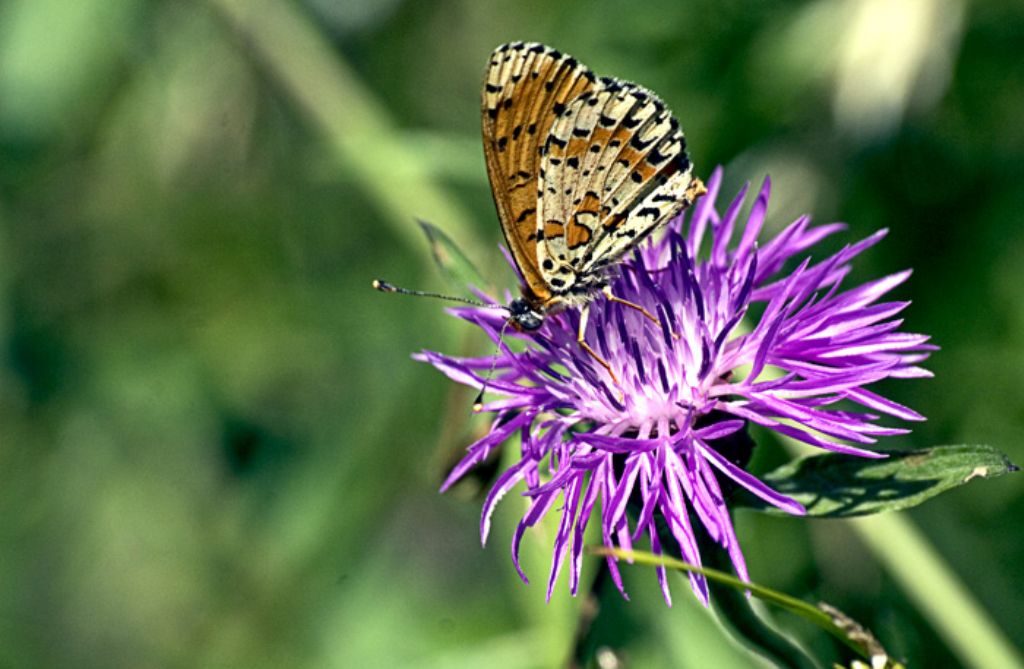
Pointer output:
582, 169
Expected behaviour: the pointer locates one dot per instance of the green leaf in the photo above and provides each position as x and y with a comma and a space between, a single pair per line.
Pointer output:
455, 266
826, 617
834, 485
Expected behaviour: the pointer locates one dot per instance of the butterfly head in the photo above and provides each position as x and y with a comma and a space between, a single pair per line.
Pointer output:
523, 316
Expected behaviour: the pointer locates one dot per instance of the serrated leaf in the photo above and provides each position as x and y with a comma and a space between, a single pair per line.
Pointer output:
834, 485
455, 266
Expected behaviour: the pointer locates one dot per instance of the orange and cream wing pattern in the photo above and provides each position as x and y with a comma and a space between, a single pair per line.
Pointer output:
526, 87
582, 167
614, 169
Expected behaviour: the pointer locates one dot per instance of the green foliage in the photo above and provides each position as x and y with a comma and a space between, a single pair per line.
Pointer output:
834, 485
216, 451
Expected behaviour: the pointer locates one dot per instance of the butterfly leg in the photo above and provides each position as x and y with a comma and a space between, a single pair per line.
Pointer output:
632, 305
584, 316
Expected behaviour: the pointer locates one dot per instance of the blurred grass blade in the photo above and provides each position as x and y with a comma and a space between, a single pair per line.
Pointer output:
823, 616
834, 485
936, 591
347, 114
455, 266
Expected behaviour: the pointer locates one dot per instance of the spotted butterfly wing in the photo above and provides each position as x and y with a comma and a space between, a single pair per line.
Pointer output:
614, 169
525, 89
582, 168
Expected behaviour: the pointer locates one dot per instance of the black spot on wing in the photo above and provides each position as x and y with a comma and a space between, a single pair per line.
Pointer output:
525, 214
630, 122
657, 158
639, 144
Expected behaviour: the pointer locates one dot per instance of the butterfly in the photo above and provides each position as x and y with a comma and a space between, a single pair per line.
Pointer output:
582, 169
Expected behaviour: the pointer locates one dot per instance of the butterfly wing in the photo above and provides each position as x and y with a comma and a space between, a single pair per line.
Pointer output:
526, 87
614, 169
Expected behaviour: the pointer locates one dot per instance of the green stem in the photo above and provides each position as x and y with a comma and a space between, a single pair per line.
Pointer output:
796, 606
735, 609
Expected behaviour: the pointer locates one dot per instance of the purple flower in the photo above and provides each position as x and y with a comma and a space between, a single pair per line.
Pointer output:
655, 442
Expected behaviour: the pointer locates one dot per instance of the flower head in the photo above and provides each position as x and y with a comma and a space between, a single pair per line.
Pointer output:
653, 439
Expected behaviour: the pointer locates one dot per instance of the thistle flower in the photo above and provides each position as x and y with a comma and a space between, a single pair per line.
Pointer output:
655, 442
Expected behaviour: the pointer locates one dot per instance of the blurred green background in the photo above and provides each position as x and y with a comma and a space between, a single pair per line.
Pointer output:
215, 450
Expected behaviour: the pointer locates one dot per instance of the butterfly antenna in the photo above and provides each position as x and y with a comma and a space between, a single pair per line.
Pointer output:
385, 287
478, 403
